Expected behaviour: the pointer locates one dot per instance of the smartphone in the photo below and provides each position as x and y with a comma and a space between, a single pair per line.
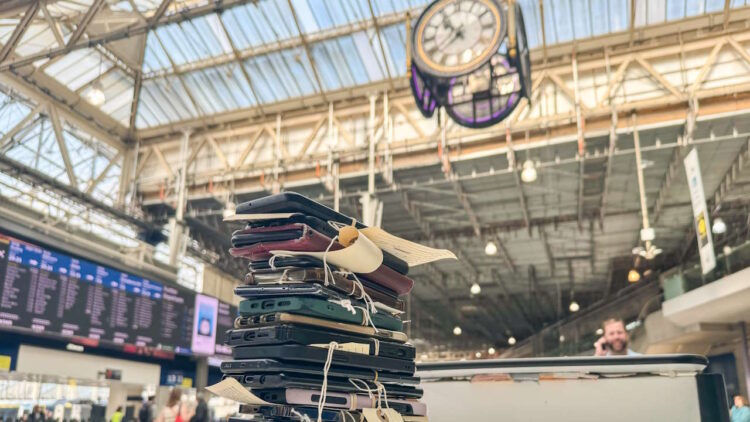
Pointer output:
605, 346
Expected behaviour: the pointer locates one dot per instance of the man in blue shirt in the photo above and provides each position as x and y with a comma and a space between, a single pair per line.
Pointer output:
615, 340
740, 412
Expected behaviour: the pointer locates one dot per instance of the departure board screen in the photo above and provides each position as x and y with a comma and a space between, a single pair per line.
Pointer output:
47, 292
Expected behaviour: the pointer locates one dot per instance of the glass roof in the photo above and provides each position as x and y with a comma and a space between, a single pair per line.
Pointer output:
254, 54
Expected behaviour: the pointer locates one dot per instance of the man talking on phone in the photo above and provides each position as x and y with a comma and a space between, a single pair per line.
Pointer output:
614, 342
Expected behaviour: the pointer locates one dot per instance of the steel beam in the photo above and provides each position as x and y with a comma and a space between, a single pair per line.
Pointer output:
416, 214
516, 176
84, 23
62, 145
537, 292
471, 267
20, 29
180, 78
580, 129
730, 177
547, 249
95, 182
673, 170
610, 154
125, 32
431, 268
514, 300
42, 89
380, 40
159, 12
503, 251
23, 172
306, 45
240, 64
8, 136
53, 26
457, 188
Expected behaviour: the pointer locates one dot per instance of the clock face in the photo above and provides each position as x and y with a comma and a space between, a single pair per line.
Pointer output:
453, 37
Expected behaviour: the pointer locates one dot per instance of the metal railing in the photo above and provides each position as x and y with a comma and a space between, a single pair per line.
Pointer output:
689, 276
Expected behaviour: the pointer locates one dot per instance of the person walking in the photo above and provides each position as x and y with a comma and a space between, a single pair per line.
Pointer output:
117, 416
146, 414
201, 411
171, 412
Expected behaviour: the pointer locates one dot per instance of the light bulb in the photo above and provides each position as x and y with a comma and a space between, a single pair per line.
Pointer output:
475, 289
511, 340
719, 226
490, 248
95, 96
562, 338
727, 250
574, 307
528, 174
457, 330
491, 351
599, 331
478, 355
634, 276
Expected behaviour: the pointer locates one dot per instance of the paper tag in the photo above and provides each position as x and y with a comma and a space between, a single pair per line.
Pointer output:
413, 253
386, 308
231, 389
362, 256
258, 217
381, 415
348, 347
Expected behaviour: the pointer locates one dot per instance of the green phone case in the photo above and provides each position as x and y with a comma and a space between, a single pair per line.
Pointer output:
315, 307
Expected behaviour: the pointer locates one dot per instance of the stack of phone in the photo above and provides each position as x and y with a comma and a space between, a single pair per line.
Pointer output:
302, 320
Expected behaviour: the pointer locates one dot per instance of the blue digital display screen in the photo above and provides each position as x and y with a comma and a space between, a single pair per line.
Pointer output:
43, 291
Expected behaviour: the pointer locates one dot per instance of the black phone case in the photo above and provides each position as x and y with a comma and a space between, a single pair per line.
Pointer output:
310, 262
292, 334
319, 355
265, 366
285, 290
290, 413
278, 396
240, 240
339, 283
294, 202
274, 319
338, 384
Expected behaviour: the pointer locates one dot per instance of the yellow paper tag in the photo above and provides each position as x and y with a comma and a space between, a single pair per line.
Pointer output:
381, 415
363, 349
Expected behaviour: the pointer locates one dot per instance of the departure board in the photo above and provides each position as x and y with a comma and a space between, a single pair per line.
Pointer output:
48, 292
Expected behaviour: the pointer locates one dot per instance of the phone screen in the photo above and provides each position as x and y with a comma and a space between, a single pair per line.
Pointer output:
204, 325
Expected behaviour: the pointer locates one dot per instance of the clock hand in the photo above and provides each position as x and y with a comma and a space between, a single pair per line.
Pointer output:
457, 33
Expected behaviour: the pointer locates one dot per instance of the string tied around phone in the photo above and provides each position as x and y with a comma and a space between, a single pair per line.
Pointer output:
369, 307
332, 346
302, 418
272, 260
